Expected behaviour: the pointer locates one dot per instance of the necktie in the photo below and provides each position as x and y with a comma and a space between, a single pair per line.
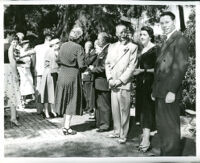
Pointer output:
164, 38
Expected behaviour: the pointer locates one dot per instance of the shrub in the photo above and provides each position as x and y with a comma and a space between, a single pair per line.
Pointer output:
189, 82
189, 86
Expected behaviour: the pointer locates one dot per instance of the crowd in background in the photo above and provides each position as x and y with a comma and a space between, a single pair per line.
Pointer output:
66, 79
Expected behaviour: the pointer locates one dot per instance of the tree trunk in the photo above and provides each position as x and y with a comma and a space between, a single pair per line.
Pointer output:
20, 20
182, 21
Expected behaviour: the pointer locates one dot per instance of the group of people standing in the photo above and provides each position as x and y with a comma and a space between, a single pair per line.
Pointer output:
103, 74
18, 80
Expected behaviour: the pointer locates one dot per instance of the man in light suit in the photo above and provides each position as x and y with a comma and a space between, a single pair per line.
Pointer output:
120, 64
170, 69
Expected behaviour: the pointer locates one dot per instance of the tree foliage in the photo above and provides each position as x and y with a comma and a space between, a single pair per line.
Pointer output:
190, 32
189, 83
59, 19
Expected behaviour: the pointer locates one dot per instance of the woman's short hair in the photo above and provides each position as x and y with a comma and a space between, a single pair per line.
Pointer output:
150, 32
105, 36
15, 38
75, 33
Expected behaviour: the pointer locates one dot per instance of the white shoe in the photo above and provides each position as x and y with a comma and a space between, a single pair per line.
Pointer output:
113, 136
153, 133
122, 140
137, 123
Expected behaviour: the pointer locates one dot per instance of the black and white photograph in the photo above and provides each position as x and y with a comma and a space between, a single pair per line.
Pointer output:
100, 80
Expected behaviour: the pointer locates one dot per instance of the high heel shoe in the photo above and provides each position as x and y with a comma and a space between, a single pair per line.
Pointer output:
68, 131
14, 123
145, 149
53, 115
140, 141
139, 147
45, 116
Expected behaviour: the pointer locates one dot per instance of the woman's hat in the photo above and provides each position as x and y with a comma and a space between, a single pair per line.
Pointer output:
54, 41
24, 42
20, 35
76, 33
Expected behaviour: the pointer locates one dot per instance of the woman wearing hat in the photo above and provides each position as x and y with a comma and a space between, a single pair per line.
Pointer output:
49, 78
24, 60
68, 95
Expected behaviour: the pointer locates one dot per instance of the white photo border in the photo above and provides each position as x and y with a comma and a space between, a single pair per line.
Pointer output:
112, 159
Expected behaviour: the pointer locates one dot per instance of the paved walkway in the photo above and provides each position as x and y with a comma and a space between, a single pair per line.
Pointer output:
39, 137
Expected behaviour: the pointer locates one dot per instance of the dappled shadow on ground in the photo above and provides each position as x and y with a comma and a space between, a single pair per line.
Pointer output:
86, 126
84, 148
31, 125
85, 144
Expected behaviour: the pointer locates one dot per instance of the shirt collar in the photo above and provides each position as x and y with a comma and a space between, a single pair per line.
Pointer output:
168, 36
101, 49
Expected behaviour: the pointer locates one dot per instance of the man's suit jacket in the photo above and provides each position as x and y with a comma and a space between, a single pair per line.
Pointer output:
171, 66
101, 82
121, 62
89, 60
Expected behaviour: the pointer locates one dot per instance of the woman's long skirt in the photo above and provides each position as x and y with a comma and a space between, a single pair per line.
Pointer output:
68, 94
11, 88
26, 81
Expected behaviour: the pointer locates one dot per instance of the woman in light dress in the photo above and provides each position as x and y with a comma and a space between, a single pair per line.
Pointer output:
11, 82
49, 78
24, 60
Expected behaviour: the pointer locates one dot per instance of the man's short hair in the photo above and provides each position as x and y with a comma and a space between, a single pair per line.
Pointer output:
168, 13
48, 35
89, 43
105, 36
119, 26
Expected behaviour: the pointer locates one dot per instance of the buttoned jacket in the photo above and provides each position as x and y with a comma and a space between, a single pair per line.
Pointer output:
171, 66
98, 71
121, 62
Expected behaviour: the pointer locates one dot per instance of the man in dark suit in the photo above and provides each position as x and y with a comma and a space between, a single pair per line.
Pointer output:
170, 69
88, 80
102, 91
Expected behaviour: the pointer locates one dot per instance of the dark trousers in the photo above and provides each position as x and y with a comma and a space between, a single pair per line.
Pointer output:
103, 109
88, 90
168, 125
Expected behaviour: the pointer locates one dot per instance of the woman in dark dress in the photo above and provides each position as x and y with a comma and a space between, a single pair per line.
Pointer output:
144, 80
68, 95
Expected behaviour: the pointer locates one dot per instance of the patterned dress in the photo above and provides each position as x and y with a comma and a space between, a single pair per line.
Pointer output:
11, 86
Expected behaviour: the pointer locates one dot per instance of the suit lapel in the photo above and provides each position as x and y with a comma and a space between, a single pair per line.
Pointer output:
101, 55
121, 53
166, 45
103, 51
